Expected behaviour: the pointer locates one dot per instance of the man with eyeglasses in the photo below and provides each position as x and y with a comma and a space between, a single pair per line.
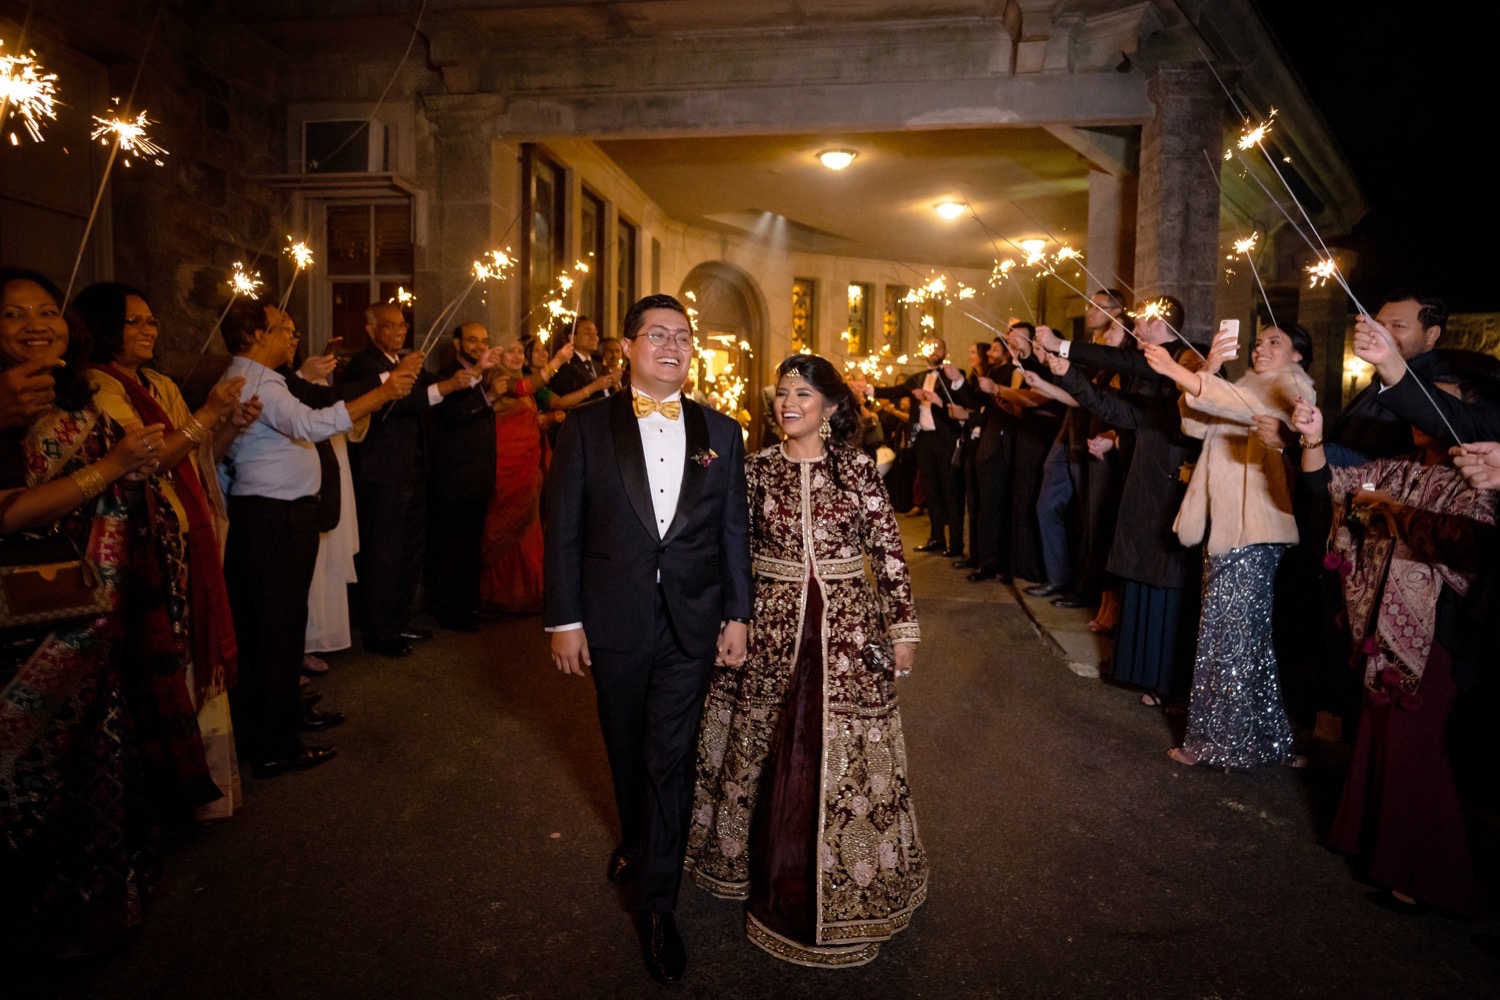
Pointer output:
648, 584
388, 463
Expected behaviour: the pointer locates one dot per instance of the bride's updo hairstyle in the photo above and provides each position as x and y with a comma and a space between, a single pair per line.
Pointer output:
825, 378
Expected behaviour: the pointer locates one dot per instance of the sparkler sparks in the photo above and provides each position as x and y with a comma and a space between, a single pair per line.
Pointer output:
1319, 273
28, 92
1067, 253
1244, 246
1001, 271
130, 135
402, 297
242, 282
299, 252
494, 264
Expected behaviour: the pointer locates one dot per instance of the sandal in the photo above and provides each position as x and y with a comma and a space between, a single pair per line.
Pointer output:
1295, 761
1150, 700
1181, 756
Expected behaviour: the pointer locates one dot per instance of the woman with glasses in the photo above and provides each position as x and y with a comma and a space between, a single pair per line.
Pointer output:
802, 803
132, 392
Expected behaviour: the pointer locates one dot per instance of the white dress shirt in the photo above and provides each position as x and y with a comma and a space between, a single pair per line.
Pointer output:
434, 394
924, 410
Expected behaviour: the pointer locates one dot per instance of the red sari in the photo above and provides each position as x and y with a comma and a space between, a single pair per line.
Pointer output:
512, 579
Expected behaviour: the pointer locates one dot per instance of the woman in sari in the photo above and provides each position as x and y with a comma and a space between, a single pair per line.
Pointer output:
78, 858
132, 392
512, 544
802, 804
1408, 537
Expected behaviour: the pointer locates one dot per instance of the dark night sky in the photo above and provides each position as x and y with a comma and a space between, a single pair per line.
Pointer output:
1408, 101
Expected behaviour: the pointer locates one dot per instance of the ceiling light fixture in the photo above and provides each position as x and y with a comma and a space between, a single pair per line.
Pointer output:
837, 159
1033, 246
950, 209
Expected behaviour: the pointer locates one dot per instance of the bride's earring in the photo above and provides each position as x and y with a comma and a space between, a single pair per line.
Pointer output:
825, 429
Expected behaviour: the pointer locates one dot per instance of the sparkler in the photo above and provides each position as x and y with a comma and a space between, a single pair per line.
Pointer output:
128, 136
493, 265
1326, 267
303, 257
27, 92
402, 298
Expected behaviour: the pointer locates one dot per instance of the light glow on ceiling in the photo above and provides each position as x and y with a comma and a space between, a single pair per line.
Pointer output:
837, 159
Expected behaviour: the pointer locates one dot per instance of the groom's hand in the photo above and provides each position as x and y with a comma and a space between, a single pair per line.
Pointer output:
732, 644
570, 651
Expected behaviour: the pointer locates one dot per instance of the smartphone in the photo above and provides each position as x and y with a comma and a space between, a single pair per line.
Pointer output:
1229, 331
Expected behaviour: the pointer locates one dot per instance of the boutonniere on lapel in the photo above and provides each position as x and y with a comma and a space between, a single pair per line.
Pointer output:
704, 457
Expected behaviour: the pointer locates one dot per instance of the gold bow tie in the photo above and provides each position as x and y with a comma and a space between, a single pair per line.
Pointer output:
645, 405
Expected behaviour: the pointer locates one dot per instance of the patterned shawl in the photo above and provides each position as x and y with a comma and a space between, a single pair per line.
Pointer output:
1392, 582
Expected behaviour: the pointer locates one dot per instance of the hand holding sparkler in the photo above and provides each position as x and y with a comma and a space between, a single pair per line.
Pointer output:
951, 373
317, 368
1056, 363
1479, 463
1374, 343
1307, 420
1047, 339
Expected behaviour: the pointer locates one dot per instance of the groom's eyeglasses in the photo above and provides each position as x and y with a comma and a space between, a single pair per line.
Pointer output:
661, 336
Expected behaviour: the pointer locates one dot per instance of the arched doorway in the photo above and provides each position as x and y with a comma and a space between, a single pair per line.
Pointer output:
730, 318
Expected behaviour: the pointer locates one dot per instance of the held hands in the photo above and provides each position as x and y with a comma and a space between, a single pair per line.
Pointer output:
1047, 339
27, 390
570, 652
1479, 463
731, 646
1101, 445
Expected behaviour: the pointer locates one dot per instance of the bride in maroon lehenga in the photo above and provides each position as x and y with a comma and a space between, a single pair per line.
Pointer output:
802, 805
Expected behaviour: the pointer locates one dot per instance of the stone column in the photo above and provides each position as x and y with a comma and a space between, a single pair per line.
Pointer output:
467, 213
1177, 217
1236, 297
1325, 311
1110, 251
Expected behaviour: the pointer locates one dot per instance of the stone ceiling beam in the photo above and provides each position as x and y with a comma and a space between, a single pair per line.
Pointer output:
1112, 152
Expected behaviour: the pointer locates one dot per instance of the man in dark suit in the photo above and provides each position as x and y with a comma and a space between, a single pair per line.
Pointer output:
934, 434
648, 578
389, 467
459, 484
991, 517
583, 368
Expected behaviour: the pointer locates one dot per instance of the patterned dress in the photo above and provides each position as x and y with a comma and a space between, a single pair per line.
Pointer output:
802, 804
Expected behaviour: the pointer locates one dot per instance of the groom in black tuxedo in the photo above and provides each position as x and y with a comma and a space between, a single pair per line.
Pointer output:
648, 583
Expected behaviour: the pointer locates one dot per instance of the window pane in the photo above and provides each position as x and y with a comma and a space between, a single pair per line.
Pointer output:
393, 250
894, 321
350, 299
349, 241
545, 239
591, 245
804, 309
858, 333
627, 282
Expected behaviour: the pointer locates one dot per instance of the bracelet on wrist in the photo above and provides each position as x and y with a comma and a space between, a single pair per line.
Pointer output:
89, 482
194, 430
1309, 443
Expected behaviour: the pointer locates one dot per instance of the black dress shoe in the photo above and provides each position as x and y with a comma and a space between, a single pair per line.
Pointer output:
311, 697
621, 867
929, 547
414, 634
300, 761
964, 564
388, 647
318, 718
661, 947
954, 553
980, 575
1070, 601
1043, 590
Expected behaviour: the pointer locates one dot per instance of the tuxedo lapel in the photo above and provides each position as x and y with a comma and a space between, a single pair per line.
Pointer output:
631, 458
694, 472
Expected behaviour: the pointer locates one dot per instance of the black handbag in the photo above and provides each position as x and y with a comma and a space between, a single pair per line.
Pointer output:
46, 579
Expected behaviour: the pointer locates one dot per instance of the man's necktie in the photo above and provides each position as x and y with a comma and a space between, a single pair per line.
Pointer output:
645, 405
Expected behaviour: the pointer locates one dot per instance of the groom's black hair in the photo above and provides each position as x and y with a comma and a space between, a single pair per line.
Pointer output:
634, 317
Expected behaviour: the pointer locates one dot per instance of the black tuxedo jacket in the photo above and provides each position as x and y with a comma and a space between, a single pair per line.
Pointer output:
574, 375
603, 553
463, 447
947, 428
394, 449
